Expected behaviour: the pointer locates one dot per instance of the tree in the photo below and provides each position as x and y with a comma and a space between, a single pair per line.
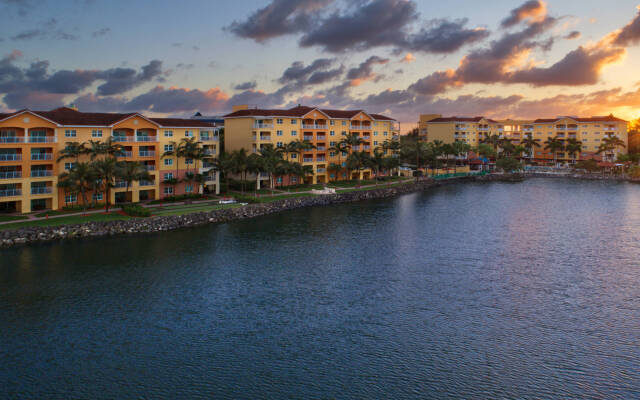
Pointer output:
288, 148
172, 151
131, 171
492, 140
240, 165
610, 143
189, 148
377, 161
336, 168
358, 161
271, 158
81, 176
572, 147
223, 164
107, 171
458, 149
191, 178
530, 143
72, 150
554, 145
508, 164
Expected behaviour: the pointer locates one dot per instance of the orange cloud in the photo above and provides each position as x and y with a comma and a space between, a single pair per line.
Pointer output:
409, 58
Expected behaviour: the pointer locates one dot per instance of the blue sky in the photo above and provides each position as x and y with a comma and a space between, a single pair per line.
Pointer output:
204, 60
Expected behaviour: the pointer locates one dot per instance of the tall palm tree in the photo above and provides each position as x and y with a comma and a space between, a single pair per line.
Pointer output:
335, 168
493, 140
459, 148
107, 171
72, 150
610, 143
530, 143
554, 145
377, 161
339, 148
223, 164
174, 151
240, 165
288, 148
270, 158
131, 171
358, 161
572, 147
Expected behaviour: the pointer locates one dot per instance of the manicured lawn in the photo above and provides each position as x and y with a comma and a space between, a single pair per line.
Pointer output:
51, 213
6, 218
183, 210
268, 199
75, 219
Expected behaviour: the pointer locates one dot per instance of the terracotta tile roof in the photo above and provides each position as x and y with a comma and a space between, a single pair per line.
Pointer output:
300, 111
606, 118
70, 117
460, 119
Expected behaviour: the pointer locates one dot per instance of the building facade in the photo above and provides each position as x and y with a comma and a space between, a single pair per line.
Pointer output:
251, 129
31, 143
589, 131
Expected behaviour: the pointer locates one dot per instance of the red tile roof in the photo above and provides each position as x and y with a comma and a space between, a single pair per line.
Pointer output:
300, 111
606, 118
460, 119
70, 117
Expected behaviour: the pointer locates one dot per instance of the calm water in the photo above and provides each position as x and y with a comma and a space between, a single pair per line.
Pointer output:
525, 290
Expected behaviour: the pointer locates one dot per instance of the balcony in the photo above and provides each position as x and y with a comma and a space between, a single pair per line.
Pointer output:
265, 137
11, 139
321, 170
10, 157
120, 184
41, 156
147, 153
366, 137
10, 174
483, 128
147, 138
210, 152
41, 190
320, 159
360, 127
124, 154
321, 148
367, 147
208, 138
42, 139
123, 139
308, 138
307, 159
10, 192
314, 126
355, 148
39, 173
150, 167
147, 183
262, 126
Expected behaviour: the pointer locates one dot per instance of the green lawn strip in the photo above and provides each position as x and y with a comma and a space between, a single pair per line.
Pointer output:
380, 186
6, 218
75, 219
193, 210
51, 213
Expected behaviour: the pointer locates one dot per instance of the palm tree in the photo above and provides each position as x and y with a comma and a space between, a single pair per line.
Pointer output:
189, 148
358, 161
173, 151
493, 140
336, 168
301, 146
190, 178
132, 171
459, 148
107, 171
300, 171
72, 150
529, 143
339, 148
108, 148
223, 165
610, 143
554, 145
352, 140
288, 148
270, 157
572, 147
80, 178
377, 161
240, 165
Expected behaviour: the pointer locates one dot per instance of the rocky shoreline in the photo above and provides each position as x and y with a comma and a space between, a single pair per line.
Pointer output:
32, 235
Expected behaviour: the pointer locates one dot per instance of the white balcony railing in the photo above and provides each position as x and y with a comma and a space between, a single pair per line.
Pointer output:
10, 192
147, 138
123, 139
121, 184
147, 153
124, 154
262, 126
307, 159
208, 138
39, 173
150, 167
41, 156
308, 138
265, 137
42, 139
10, 174
11, 139
210, 152
147, 183
10, 157
321, 159
41, 190
321, 170
314, 126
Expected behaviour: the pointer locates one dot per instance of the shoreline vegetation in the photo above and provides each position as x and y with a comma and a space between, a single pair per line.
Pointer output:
203, 213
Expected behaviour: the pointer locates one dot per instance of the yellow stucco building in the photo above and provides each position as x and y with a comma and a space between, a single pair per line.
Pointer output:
252, 128
472, 130
31, 141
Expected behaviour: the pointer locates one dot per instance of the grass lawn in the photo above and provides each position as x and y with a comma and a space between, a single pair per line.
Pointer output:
183, 210
75, 219
6, 218
51, 213
268, 199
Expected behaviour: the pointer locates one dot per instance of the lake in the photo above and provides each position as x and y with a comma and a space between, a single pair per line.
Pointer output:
494, 290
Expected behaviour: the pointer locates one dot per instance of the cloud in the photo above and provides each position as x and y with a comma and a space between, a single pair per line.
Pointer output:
629, 34
21, 7
532, 10
315, 73
373, 23
246, 85
408, 58
444, 36
101, 32
46, 30
364, 71
280, 17
573, 35
34, 86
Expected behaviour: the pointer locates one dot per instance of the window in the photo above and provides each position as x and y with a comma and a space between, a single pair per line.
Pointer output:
344, 164
71, 198
585, 140
188, 161
279, 180
375, 142
597, 140
70, 133
188, 189
294, 179
279, 121
98, 196
69, 165
168, 161
188, 133
96, 133
279, 144
332, 143
168, 147
294, 133
294, 121
332, 122
279, 133
294, 155
375, 123
168, 190
332, 133
344, 133
375, 133
597, 126
344, 123
344, 154
168, 176
596, 133
168, 133
332, 154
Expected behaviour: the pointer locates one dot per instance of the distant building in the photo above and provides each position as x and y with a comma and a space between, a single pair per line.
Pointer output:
473, 130
215, 120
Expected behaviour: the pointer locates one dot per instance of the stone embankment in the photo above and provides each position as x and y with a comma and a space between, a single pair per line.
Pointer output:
583, 176
30, 235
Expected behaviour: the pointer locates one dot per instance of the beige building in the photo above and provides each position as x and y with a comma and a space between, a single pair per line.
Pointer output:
472, 130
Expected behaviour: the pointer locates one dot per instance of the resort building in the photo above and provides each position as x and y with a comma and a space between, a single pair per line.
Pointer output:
588, 131
31, 143
253, 128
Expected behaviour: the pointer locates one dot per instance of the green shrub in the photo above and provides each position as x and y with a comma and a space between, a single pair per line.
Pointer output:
590, 165
508, 164
182, 197
136, 210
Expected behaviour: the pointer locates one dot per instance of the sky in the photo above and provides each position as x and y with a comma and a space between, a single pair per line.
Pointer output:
402, 58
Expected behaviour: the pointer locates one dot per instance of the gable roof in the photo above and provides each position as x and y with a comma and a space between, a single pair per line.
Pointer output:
300, 111
606, 118
460, 119
69, 117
